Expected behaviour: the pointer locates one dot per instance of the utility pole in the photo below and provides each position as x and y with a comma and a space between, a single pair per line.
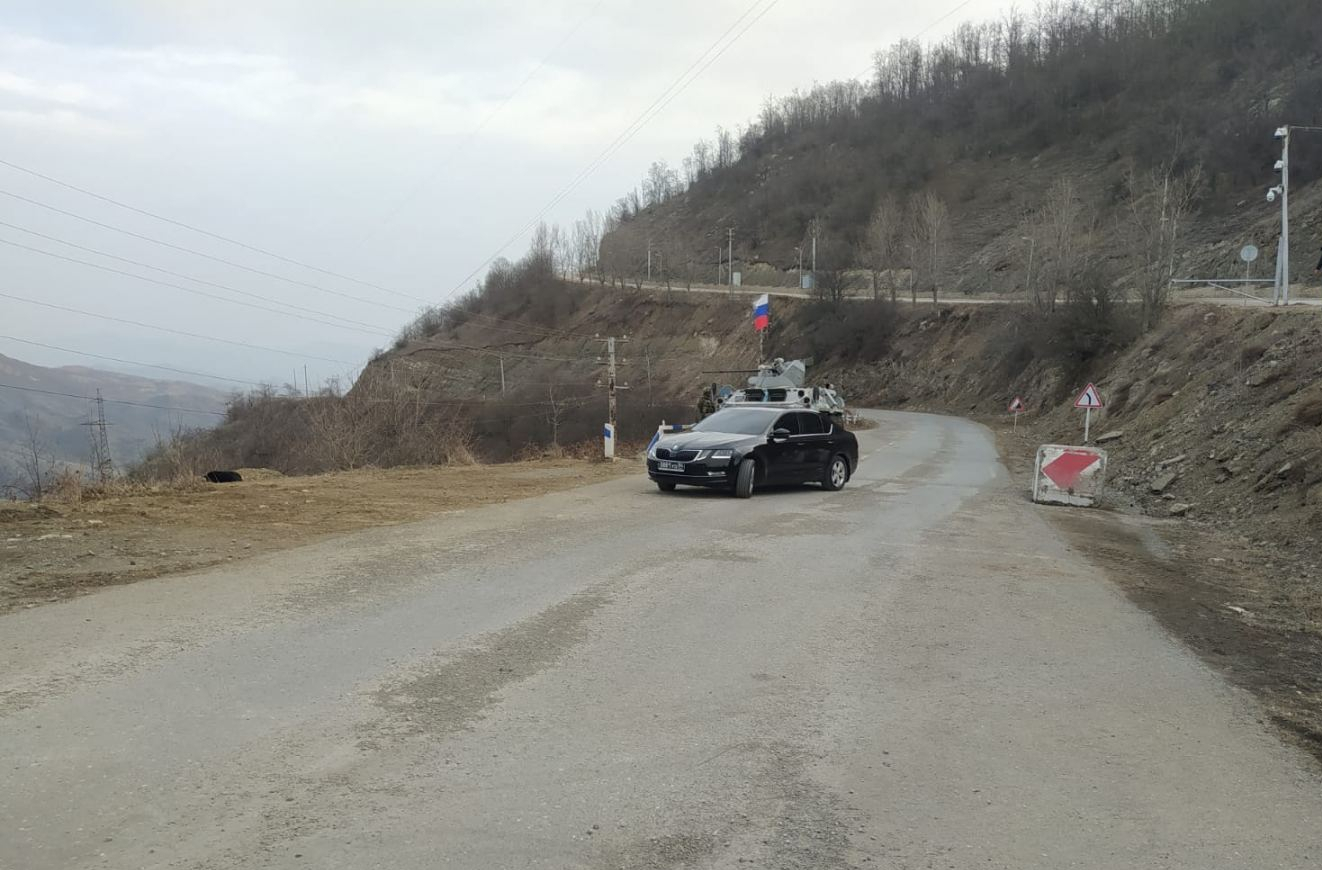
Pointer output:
649, 261
307, 385
729, 276
799, 274
611, 386
501, 357
1282, 290
648, 359
719, 252
100, 438
1283, 253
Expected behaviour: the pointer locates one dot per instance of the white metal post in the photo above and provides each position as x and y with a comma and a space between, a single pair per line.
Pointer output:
1087, 421
611, 387
729, 271
814, 256
1285, 218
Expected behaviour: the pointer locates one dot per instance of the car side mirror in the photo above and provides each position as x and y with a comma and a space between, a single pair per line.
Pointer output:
779, 435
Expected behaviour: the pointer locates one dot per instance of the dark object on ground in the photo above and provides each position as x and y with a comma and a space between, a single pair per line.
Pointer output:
224, 477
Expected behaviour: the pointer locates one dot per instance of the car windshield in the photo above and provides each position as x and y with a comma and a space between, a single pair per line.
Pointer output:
736, 421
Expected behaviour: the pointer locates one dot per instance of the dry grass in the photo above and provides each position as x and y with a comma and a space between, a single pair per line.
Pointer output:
98, 536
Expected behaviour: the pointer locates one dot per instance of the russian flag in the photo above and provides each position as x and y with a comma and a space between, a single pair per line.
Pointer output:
762, 313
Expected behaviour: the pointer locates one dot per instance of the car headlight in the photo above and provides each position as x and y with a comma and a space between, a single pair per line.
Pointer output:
722, 454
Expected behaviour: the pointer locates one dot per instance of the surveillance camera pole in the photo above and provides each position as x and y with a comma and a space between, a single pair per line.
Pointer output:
1283, 256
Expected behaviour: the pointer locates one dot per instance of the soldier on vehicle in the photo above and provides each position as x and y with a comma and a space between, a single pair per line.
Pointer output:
707, 402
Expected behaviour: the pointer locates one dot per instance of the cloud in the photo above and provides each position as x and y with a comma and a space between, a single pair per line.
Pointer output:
63, 122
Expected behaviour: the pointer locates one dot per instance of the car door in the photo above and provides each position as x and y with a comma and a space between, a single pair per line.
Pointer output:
784, 457
814, 445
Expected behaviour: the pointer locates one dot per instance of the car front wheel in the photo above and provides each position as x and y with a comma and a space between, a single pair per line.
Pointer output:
743, 481
665, 486
836, 474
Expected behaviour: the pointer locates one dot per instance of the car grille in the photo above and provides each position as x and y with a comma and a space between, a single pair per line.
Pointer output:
676, 455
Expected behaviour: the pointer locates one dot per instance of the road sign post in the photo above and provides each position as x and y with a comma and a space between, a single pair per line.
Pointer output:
1017, 407
1089, 399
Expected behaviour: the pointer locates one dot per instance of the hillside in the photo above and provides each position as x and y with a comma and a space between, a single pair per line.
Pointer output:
58, 419
1014, 155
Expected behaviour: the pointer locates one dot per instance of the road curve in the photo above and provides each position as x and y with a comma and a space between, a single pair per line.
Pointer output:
915, 672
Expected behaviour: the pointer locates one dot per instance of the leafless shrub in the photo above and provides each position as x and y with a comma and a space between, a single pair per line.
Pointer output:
1158, 205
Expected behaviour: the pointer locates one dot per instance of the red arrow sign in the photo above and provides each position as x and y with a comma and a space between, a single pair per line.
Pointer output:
1066, 468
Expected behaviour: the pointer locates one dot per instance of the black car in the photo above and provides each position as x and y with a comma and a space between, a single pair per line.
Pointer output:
743, 447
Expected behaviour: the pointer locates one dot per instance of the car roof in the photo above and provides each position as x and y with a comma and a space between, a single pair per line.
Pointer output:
766, 407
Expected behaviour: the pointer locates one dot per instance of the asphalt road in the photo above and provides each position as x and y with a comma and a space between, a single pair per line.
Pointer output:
916, 672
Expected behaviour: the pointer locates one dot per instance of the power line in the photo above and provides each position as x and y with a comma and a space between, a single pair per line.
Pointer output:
128, 361
353, 325
221, 260
113, 401
462, 403
495, 350
196, 253
529, 328
145, 213
625, 135
250, 383
182, 275
195, 292
113, 319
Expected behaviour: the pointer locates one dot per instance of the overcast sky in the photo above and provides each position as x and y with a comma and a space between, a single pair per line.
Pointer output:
401, 143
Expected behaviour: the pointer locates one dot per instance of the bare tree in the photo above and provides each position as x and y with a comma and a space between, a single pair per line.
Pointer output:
929, 236
1158, 204
882, 242
834, 276
1056, 245
555, 412
36, 463
725, 144
702, 159
659, 184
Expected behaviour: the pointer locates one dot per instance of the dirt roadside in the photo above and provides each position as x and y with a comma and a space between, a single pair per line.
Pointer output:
53, 551
1251, 612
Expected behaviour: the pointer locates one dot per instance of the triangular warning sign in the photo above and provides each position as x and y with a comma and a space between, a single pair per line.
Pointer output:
1089, 398
1017, 406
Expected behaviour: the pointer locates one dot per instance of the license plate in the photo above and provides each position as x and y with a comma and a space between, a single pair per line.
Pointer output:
666, 465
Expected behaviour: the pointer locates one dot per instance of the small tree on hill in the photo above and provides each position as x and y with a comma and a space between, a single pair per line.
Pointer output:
929, 238
882, 242
1158, 204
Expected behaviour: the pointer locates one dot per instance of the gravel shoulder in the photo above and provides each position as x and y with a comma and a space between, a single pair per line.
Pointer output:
1250, 611
57, 550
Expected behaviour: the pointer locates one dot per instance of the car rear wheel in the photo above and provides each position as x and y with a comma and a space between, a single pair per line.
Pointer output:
743, 481
664, 486
836, 474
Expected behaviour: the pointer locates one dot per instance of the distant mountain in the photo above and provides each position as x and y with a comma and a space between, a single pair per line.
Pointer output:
47, 400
